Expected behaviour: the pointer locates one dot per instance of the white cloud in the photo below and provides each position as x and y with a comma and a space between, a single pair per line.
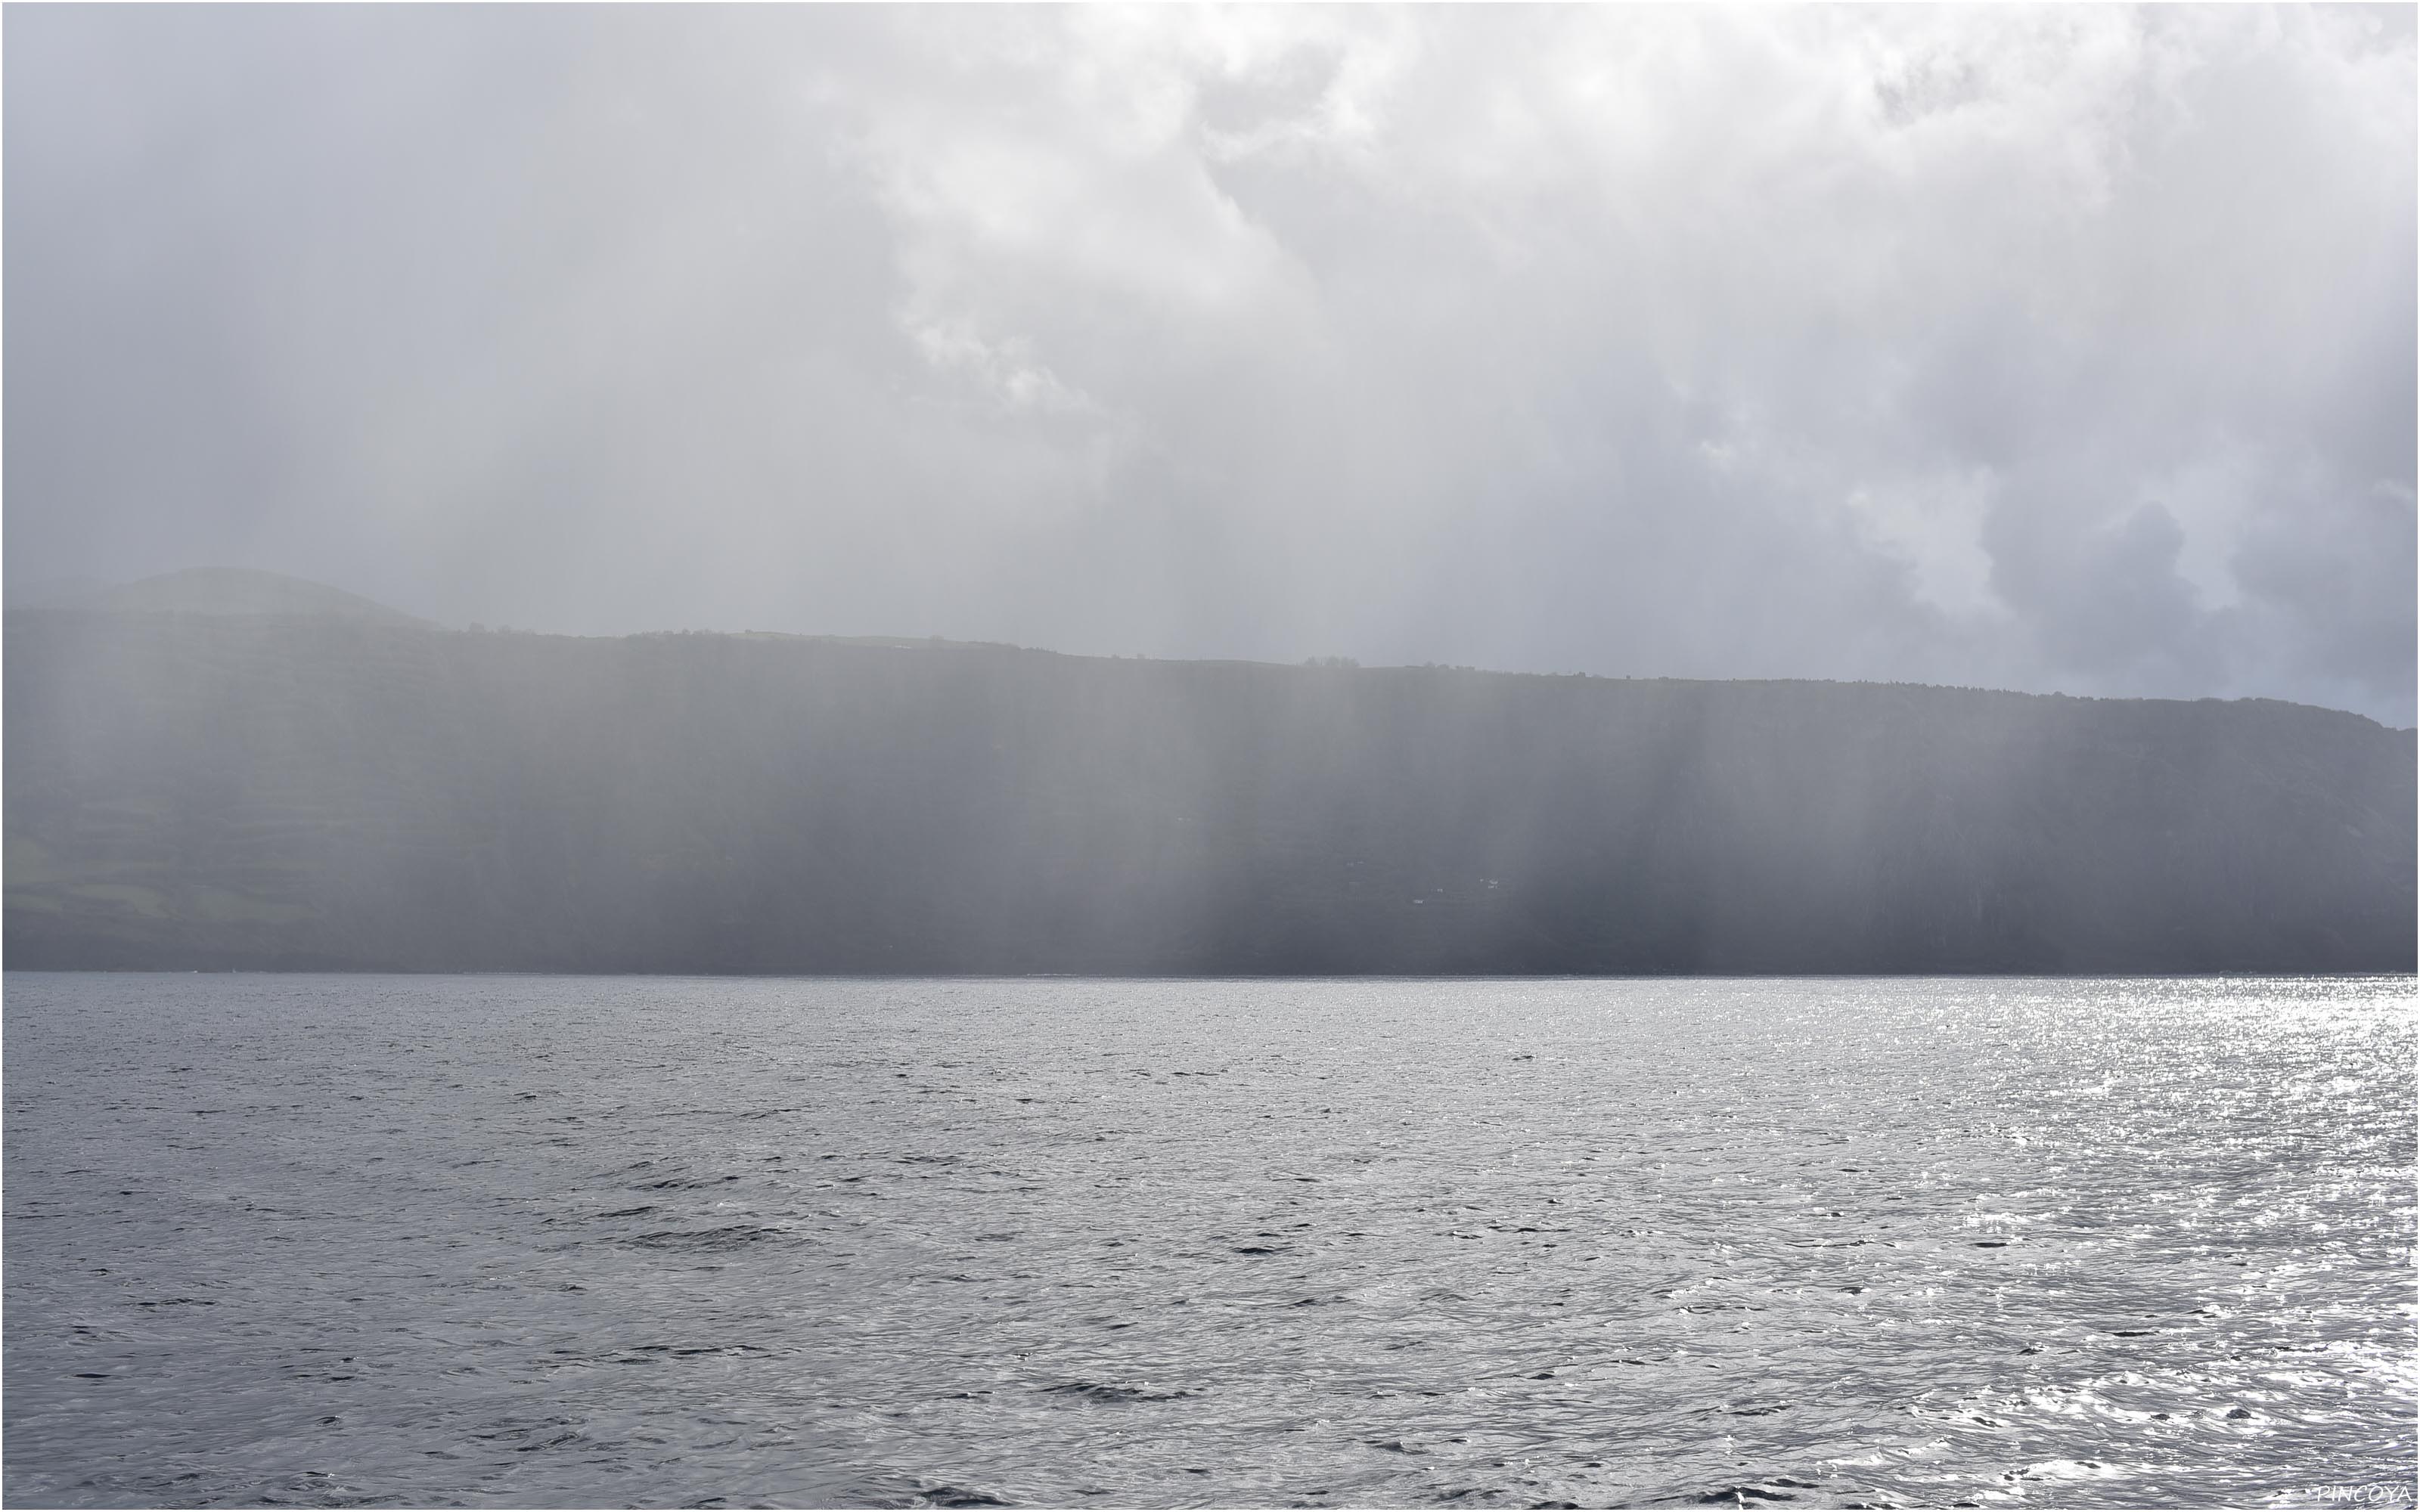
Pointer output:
2053, 348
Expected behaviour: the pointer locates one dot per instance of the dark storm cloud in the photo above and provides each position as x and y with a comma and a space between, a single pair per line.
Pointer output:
2043, 348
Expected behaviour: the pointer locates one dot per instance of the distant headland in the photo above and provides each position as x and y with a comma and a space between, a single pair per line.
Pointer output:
222, 769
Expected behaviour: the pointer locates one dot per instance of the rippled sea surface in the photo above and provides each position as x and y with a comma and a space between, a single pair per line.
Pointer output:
541, 1240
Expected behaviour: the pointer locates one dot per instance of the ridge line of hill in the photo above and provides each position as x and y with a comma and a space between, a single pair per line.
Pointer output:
192, 791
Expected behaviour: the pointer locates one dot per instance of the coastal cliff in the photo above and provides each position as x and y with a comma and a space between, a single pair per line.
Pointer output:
329, 792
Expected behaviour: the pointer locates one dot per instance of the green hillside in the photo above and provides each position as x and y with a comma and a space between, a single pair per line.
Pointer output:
276, 790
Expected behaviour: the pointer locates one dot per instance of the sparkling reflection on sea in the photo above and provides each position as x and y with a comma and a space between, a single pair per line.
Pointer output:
545, 1241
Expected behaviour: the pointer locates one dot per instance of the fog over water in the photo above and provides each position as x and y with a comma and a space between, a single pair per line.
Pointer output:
2049, 350
1638, 661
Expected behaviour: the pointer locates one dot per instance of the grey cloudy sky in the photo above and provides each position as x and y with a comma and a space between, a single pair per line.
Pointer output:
2062, 349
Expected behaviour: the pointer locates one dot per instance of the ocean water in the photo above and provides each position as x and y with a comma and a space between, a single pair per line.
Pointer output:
556, 1241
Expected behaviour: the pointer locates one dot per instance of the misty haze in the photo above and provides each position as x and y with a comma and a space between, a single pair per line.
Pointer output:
914, 756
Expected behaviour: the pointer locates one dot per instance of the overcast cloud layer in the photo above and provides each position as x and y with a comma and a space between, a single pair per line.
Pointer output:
2063, 349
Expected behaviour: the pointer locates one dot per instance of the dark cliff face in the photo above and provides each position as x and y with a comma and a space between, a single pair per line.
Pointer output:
188, 792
